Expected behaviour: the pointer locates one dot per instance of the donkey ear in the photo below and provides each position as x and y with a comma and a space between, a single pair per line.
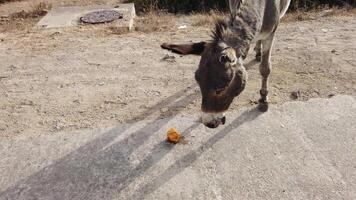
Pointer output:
185, 49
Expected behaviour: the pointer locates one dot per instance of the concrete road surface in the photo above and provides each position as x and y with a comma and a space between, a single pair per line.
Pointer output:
299, 150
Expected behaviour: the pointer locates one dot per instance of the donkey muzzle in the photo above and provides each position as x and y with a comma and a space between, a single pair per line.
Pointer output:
213, 120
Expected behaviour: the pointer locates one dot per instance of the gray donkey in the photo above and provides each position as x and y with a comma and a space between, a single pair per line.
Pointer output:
221, 75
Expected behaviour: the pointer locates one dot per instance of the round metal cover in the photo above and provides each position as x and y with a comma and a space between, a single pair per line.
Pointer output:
101, 16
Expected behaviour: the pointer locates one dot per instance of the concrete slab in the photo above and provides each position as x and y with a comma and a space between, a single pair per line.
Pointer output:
300, 150
70, 16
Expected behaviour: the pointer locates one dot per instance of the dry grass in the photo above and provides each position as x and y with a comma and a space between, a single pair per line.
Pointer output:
24, 19
155, 20
206, 19
37, 10
5, 1
117, 30
318, 13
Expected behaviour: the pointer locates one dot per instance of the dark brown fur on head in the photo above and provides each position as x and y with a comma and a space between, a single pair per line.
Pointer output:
220, 75
220, 80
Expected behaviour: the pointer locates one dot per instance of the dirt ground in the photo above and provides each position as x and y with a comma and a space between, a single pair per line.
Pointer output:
61, 80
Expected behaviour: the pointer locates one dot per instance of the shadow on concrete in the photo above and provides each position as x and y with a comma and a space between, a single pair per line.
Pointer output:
95, 171
191, 157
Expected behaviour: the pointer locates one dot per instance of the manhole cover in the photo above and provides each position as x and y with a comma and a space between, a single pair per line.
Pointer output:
101, 16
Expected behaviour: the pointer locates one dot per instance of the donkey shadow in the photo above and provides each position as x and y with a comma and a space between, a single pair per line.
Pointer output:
181, 164
96, 172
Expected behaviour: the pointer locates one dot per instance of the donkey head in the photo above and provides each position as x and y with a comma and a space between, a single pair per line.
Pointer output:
221, 75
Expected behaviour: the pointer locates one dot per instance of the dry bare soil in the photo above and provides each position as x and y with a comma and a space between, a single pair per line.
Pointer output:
79, 78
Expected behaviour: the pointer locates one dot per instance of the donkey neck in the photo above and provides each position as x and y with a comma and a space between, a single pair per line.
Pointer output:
243, 28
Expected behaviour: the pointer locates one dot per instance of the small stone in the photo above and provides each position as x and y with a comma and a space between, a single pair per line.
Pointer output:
123, 103
143, 106
58, 126
335, 52
296, 95
155, 93
2, 127
12, 67
109, 102
28, 103
56, 33
253, 102
101, 84
169, 58
146, 78
182, 27
164, 110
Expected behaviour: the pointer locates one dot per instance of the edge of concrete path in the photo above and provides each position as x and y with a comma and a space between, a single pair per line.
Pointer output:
194, 117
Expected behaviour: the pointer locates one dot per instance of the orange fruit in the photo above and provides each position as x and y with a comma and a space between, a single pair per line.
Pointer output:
173, 136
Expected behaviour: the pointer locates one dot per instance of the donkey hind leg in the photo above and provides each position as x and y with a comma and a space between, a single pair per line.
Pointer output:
258, 49
265, 70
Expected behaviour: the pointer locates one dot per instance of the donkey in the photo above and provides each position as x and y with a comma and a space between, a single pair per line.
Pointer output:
221, 74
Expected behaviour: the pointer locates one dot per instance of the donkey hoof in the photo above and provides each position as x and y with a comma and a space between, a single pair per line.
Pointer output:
263, 106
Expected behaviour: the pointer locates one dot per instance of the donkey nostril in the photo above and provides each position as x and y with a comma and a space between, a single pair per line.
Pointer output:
223, 120
224, 59
212, 125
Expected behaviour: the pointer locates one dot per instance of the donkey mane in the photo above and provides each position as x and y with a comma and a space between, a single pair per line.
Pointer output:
219, 31
237, 32
221, 26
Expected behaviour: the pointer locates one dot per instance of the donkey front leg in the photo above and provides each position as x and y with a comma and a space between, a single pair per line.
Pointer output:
265, 70
258, 49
